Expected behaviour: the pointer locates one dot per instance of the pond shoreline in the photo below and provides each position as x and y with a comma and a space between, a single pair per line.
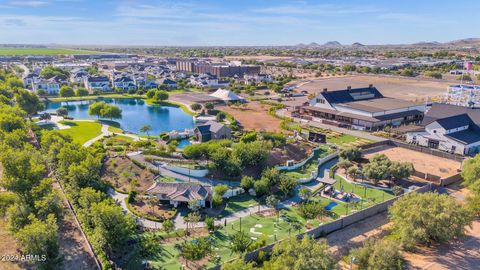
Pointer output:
163, 116
168, 103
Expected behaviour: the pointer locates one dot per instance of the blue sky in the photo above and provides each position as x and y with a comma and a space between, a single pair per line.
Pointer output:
241, 22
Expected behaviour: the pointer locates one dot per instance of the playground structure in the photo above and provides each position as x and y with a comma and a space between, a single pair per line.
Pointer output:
463, 95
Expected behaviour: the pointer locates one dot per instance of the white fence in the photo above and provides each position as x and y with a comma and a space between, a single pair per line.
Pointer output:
187, 171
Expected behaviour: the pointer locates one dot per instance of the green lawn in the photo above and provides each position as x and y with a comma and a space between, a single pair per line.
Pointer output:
48, 126
81, 131
257, 227
118, 140
312, 165
112, 126
369, 195
238, 203
346, 139
41, 51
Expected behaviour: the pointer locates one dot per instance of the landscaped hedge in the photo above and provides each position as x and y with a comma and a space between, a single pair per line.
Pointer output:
138, 163
332, 171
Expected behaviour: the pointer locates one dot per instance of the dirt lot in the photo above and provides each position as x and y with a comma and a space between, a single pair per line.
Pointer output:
464, 254
254, 116
121, 171
353, 236
396, 87
422, 162
297, 152
8, 246
73, 248
158, 210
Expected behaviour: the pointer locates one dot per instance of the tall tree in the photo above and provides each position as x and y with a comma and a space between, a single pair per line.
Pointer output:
146, 129
29, 102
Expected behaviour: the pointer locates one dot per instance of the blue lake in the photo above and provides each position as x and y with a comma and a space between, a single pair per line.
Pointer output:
135, 114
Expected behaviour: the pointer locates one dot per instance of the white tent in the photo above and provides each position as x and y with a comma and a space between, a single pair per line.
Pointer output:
226, 95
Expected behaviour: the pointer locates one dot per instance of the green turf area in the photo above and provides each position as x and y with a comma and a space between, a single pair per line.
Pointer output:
41, 51
346, 139
312, 165
81, 131
118, 140
48, 126
238, 203
369, 195
112, 126
257, 227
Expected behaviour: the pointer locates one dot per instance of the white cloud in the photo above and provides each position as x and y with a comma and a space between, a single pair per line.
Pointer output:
29, 3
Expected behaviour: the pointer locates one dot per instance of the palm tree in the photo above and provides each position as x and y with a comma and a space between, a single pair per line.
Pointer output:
146, 129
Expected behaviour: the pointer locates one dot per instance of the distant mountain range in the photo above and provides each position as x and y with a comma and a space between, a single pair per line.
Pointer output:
467, 42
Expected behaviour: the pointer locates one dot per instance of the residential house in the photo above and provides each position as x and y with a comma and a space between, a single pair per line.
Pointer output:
123, 83
449, 128
143, 81
455, 134
50, 86
78, 76
258, 78
183, 193
29, 79
212, 131
98, 83
168, 83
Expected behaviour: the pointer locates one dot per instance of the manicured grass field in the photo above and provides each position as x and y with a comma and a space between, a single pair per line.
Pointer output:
238, 203
370, 195
112, 126
257, 227
41, 51
81, 131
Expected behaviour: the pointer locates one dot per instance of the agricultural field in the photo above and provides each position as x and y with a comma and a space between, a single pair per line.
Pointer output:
41, 51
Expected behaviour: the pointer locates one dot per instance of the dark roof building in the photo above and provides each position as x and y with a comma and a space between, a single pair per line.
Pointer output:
361, 108
212, 131
453, 133
182, 193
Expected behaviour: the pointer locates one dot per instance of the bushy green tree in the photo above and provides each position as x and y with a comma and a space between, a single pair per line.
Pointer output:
471, 170
300, 254
350, 153
29, 102
40, 238
426, 218
81, 92
66, 91
380, 254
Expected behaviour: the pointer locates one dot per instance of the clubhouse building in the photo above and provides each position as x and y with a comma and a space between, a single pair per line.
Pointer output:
361, 108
